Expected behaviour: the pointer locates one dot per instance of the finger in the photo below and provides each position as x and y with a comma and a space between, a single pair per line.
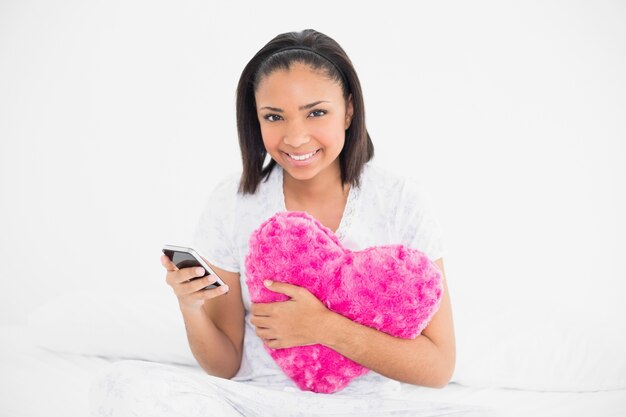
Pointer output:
264, 334
289, 290
174, 278
167, 263
184, 275
193, 286
272, 343
261, 309
194, 272
212, 293
261, 322
202, 295
186, 288
196, 286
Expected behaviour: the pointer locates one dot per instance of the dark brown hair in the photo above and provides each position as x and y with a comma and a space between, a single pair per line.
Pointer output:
320, 52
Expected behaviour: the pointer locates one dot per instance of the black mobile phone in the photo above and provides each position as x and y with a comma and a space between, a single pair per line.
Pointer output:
187, 257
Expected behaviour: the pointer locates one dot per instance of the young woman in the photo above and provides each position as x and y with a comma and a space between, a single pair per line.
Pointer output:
305, 147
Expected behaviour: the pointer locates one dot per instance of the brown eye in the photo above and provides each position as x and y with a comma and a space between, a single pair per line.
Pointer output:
317, 113
272, 117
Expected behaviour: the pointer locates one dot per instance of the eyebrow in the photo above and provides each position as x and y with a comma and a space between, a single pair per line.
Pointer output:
305, 107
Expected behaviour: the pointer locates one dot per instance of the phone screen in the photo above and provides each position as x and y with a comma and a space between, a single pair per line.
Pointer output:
186, 260
183, 260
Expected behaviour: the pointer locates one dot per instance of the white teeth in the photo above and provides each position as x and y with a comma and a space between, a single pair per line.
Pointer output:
302, 157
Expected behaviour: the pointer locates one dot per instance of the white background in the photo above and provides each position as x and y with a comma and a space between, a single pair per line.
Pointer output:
117, 118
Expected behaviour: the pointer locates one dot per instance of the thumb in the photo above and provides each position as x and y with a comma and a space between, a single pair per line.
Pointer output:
282, 287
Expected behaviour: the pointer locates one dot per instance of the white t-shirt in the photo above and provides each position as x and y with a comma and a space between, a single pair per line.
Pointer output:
385, 209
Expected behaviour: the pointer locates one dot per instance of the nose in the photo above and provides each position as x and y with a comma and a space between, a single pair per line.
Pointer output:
296, 134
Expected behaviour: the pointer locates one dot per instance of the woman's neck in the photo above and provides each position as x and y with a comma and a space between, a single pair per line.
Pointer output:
324, 187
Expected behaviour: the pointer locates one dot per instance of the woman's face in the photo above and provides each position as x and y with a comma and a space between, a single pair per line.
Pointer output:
303, 117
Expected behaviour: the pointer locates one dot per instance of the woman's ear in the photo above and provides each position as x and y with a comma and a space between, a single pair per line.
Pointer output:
349, 111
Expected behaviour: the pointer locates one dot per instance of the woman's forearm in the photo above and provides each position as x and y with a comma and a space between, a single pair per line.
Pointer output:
213, 350
416, 361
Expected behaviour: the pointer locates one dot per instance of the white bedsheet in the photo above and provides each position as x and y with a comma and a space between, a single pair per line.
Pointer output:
36, 382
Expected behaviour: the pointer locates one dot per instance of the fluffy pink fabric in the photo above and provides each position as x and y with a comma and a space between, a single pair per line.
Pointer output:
391, 288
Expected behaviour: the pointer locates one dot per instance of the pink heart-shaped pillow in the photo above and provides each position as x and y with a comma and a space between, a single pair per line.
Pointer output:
390, 288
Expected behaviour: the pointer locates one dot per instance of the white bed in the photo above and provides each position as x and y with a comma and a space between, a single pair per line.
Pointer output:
47, 366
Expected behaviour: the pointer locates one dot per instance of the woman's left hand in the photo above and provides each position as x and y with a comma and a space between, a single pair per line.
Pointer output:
295, 322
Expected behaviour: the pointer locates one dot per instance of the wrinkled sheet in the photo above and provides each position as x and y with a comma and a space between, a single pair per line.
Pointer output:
36, 382
152, 389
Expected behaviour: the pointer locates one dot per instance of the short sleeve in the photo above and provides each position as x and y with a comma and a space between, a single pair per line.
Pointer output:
417, 223
214, 235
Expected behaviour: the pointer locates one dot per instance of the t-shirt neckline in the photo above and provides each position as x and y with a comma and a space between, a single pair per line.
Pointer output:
348, 210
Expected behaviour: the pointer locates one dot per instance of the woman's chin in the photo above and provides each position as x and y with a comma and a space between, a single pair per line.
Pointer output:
301, 174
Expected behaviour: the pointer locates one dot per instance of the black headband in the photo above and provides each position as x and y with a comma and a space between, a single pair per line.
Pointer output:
321, 55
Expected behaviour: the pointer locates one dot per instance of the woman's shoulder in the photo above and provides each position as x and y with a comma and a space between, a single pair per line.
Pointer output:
381, 179
221, 196
228, 199
405, 201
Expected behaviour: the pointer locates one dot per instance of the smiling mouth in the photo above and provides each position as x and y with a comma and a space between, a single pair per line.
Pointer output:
302, 157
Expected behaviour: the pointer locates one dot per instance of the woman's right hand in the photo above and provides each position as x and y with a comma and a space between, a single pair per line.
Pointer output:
191, 295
